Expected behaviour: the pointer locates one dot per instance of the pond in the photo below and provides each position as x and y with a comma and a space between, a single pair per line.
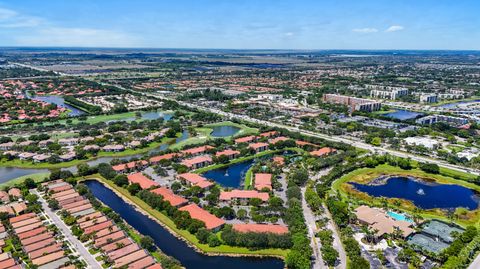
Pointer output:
230, 176
403, 114
460, 104
424, 195
59, 101
150, 115
224, 131
171, 245
9, 173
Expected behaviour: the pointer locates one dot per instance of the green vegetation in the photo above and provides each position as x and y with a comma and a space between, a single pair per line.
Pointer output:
192, 239
38, 177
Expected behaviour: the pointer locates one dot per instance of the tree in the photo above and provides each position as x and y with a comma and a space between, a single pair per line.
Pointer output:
299, 176
203, 235
134, 188
120, 180
106, 170
213, 241
297, 260
376, 141
176, 186
147, 243
430, 168
226, 212
29, 183
329, 255
241, 213
53, 204
275, 202
83, 169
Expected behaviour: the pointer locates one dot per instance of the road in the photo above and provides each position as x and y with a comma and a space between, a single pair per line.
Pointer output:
91, 262
311, 226
337, 243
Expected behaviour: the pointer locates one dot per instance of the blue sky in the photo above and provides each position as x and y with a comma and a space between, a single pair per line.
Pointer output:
243, 24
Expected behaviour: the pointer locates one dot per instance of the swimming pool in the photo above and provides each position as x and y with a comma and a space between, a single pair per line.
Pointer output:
399, 216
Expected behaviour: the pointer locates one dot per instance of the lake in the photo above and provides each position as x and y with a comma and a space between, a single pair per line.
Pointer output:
59, 101
224, 131
423, 194
403, 114
231, 176
171, 245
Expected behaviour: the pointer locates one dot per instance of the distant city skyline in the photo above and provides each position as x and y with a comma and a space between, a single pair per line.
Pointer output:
247, 24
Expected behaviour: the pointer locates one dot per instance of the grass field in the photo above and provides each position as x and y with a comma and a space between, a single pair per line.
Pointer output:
159, 216
365, 175
36, 177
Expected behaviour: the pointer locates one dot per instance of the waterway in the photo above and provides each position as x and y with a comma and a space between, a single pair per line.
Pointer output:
171, 245
224, 131
231, 176
423, 194
59, 101
9, 173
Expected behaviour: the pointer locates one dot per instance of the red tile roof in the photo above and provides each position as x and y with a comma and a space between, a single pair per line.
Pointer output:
196, 179
322, 151
304, 143
258, 145
196, 212
228, 152
277, 139
245, 139
243, 194
263, 181
144, 182
129, 165
168, 156
197, 150
168, 195
260, 228
268, 134
196, 160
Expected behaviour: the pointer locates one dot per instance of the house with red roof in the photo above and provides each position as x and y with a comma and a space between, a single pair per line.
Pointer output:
130, 166
169, 196
143, 181
242, 196
245, 139
258, 147
323, 152
230, 153
192, 179
197, 151
262, 181
197, 162
211, 221
260, 228
275, 140
169, 156
269, 134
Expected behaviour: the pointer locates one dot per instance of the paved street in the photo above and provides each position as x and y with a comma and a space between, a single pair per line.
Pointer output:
91, 262
311, 225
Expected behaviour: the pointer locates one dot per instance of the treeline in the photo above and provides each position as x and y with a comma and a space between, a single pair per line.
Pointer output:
82, 105
255, 240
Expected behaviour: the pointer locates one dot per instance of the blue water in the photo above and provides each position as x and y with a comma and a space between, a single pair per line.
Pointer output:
443, 196
171, 245
230, 176
224, 131
59, 101
403, 114
153, 115
399, 216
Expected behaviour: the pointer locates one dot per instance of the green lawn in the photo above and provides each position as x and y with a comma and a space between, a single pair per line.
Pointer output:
223, 249
37, 177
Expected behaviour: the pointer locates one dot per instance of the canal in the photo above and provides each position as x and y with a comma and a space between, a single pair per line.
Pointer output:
171, 245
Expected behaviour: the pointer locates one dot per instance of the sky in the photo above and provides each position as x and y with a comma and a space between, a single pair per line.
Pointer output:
243, 24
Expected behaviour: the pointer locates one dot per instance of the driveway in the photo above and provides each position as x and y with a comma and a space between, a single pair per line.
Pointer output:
91, 262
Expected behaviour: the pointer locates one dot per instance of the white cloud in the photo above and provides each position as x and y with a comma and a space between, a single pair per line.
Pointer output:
12, 19
394, 28
365, 30
81, 37
289, 34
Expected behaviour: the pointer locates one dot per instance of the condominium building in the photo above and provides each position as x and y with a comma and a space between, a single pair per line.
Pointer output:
386, 92
354, 103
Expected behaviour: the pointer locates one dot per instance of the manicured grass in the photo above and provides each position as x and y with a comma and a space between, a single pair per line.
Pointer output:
365, 175
248, 179
223, 249
38, 177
